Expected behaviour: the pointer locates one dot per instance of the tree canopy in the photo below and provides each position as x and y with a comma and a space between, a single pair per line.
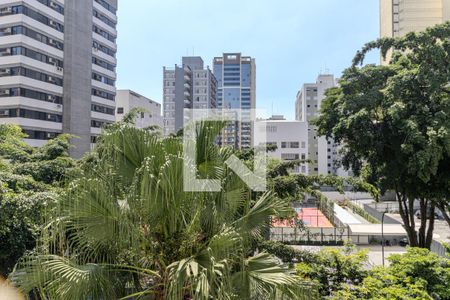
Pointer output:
417, 274
29, 182
394, 122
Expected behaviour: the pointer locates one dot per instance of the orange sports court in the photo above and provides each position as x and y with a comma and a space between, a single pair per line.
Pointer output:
311, 217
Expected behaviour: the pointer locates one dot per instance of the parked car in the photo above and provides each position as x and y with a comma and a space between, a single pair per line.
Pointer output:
437, 216
403, 242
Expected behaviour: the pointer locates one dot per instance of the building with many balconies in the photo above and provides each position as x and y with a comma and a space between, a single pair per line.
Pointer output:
190, 86
58, 68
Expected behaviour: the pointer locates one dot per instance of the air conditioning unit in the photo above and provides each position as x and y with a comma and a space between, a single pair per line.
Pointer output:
4, 92
53, 23
4, 72
59, 106
5, 51
52, 60
6, 31
59, 69
4, 112
51, 98
51, 41
53, 4
5, 10
95, 49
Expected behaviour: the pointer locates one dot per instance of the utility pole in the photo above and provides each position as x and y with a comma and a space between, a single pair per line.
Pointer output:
382, 236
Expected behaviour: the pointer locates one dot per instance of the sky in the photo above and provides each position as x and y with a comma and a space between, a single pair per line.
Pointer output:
292, 41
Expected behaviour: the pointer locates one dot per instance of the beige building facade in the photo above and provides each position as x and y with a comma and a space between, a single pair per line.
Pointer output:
398, 17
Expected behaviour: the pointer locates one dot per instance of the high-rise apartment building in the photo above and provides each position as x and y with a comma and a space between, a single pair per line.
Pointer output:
236, 79
190, 85
322, 152
57, 68
150, 115
398, 17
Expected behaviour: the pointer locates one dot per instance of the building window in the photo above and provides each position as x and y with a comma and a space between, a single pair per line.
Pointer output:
290, 156
295, 145
102, 109
40, 135
120, 110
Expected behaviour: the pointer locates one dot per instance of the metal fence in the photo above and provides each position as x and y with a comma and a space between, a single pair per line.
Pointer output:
438, 248
324, 236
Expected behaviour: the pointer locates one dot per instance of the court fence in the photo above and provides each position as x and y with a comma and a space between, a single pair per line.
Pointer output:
326, 236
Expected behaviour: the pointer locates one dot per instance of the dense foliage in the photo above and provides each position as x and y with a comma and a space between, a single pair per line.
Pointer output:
126, 227
334, 269
394, 121
417, 274
343, 274
29, 179
286, 253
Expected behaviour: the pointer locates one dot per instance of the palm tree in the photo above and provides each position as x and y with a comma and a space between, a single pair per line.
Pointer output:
125, 229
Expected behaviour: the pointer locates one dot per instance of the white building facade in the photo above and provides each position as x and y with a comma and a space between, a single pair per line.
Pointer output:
291, 141
126, 100
57, 68
322, 152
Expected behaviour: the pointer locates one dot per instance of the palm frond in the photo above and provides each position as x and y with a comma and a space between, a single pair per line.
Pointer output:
264, 277
56, 277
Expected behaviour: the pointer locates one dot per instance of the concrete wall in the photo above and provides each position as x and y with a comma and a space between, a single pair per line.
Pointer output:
386, 18
111, 2
128, 100
378, 215
446, 10
179, 98
78, 74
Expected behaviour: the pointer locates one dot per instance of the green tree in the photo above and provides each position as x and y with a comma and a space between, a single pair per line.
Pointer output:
126, 226
334, 269
26, 195
417, 274
394, 123
12, 147
21, 215
50, 164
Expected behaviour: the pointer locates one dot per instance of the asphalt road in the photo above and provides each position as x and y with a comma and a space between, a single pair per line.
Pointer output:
441, 229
